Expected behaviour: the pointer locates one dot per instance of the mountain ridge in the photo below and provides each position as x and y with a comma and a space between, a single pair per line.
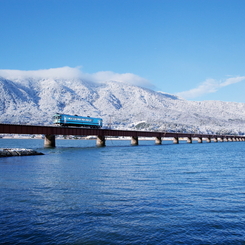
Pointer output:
36, 100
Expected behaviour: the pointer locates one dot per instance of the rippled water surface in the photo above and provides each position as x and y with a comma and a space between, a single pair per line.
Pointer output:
121, 194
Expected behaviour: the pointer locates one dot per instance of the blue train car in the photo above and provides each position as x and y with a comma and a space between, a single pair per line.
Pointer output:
69, 120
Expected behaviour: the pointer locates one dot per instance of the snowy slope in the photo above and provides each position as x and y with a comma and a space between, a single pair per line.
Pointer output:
34, 101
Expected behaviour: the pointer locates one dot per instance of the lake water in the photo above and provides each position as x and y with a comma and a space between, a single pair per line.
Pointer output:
121, 194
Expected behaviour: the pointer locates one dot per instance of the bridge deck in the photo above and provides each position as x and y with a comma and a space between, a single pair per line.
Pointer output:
36, 129
102, 133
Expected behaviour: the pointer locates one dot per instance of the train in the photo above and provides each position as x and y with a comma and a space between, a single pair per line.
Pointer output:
77, 121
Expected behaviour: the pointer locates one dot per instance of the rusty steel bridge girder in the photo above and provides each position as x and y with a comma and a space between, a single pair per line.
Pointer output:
57, 130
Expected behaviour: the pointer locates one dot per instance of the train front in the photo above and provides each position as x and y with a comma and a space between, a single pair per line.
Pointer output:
57, 119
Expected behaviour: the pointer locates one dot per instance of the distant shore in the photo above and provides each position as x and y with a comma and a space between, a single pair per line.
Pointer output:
82, 138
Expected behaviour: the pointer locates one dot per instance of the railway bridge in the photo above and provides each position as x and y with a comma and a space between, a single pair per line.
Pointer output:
51, 131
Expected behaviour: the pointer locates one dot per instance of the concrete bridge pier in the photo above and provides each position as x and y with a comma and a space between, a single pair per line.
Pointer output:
199, 139
176, 140
215, 140
208, 140
100, 142
134, 140
189, 140
158, 141
49, 140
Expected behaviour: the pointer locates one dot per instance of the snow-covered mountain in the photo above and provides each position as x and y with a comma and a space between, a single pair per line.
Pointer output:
35, 101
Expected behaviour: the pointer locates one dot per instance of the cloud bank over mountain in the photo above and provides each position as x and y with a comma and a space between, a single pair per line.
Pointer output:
208, 86
76, 73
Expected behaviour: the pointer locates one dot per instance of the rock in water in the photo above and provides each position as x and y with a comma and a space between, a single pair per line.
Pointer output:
7, 152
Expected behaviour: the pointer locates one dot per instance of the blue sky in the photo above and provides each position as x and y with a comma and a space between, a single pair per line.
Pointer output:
193, 48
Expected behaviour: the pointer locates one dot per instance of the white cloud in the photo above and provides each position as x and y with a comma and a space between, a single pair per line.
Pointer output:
209, 86
232, 80
125, 77
63, 72
71, 73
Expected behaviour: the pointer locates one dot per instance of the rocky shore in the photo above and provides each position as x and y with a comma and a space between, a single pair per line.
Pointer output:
6, 152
